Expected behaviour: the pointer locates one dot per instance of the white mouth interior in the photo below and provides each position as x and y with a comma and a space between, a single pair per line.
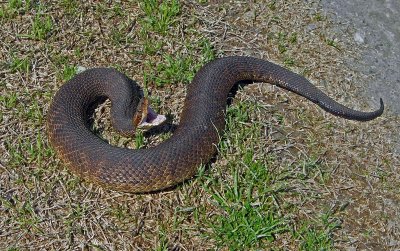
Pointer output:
152, 119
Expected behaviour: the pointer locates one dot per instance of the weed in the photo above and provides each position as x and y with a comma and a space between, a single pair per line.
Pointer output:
68, 72
41, 27
272, 5
152, 47
139, 140
285, 40
26, 152
71, 7
22, 65
246, 227
293, 38
162, 241
180, 67
159, 16
9, 101
318, 235
313, 239
289, 61
14, 8
318, 17
248, 217
332, 42
208, 51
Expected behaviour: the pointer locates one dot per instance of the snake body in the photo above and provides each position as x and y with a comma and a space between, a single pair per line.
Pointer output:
193, 142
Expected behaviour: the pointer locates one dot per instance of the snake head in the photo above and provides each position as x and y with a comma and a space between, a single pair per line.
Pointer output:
145, 117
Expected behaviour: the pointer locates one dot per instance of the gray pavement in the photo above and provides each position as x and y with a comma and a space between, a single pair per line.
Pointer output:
375, 26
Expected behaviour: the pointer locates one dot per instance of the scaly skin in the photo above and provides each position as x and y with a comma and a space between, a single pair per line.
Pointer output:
193, 142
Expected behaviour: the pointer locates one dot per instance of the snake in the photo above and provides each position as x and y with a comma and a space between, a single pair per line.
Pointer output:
193, 143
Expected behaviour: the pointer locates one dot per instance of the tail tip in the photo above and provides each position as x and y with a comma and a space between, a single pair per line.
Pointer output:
382, 107
379, 111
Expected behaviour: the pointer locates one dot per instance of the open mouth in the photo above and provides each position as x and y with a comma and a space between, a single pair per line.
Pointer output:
151, 119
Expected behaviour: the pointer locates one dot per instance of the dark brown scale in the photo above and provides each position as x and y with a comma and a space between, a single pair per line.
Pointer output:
193, 142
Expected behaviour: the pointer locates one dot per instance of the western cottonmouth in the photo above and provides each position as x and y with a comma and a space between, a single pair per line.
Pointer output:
192, 143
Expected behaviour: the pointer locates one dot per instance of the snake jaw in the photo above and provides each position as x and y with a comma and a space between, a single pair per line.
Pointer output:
145, 117
152, 119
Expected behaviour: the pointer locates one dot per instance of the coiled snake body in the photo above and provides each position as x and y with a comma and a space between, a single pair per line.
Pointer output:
192, 143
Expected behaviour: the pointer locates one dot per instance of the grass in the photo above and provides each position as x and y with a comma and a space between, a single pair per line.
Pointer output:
284, 169
22, 65
13, 8
70, 6
159, 17
246, 195
68, 72
317, 235
42, 25
178, 68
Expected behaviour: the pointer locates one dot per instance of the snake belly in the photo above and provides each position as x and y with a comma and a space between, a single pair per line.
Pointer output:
193, 142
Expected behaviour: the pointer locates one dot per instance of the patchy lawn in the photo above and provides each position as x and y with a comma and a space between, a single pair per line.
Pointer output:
287, 176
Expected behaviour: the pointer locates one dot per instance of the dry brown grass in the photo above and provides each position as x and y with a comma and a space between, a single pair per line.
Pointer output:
43, 206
